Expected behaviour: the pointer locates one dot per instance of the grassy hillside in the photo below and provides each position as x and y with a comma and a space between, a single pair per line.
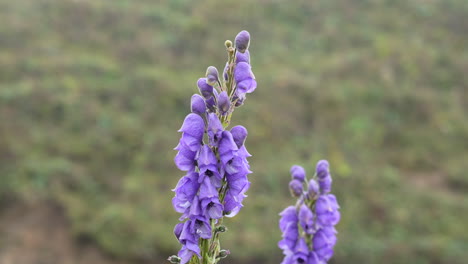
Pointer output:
92, 93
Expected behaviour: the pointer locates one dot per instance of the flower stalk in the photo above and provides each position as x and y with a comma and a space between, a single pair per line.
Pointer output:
214, 158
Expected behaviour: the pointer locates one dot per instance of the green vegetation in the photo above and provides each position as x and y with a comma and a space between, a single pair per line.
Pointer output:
92, 93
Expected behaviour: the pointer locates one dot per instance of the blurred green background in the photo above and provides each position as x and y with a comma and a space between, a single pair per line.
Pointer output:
92, 93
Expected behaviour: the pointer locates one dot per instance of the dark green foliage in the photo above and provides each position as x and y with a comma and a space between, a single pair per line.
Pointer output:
92, 92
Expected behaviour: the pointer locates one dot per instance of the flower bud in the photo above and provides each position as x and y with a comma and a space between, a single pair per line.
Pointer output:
295, 187
223, 253
197, 104
228, 43
206, 90
313, 189
211, 75
174, 259
322, 169
242, 41
223, 103
298, 173
239, 134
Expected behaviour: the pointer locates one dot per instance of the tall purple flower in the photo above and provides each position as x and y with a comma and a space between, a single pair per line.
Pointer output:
213, 157
309, 233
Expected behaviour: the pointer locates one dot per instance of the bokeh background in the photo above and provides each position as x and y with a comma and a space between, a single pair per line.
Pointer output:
92, 93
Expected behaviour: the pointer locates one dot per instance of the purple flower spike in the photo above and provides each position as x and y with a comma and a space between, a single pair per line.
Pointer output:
194, 126
239, 134
223, 103
295, 187
197, 104
242, 41
298, 173
312, 219
215, 160
206, 90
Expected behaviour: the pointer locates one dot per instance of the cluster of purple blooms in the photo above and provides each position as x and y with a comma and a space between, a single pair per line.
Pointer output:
308, 228
214, 157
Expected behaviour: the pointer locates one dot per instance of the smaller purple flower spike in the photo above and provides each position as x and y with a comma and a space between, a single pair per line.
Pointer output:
242, 41
312, 220
212, 75
215, 130
295, 187
298, 173
244, 78
223, 103
197, 104
206, 90
322, 169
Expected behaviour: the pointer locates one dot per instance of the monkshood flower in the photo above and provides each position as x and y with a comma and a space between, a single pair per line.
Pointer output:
214, 159
309, 233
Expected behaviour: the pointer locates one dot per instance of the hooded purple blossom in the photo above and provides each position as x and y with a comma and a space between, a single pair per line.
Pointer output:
211, 75
298, 173
206, 90
223, 103
227, 147
326, 209
244, 77
215, 129
185, 191
208, 166
192, 129
242, 41
295, 187
197, 104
